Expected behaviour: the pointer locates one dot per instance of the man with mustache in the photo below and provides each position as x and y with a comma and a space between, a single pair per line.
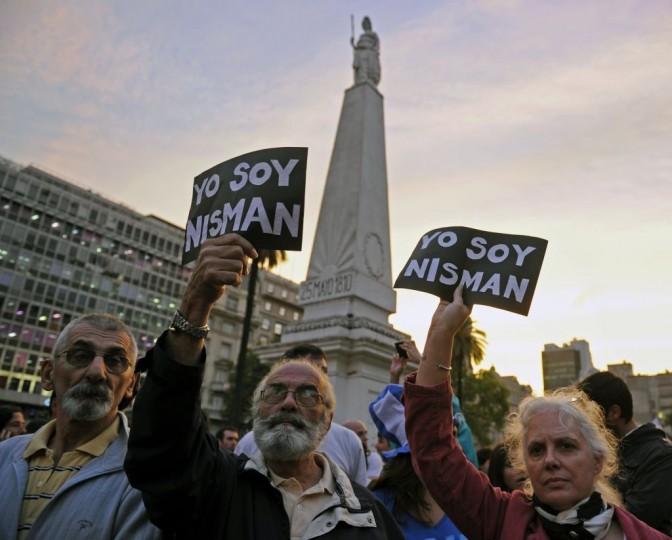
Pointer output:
340, 444
286, 490
67, 480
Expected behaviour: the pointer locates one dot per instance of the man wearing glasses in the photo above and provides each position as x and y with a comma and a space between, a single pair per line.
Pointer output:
286, 489
67, 479
340, 444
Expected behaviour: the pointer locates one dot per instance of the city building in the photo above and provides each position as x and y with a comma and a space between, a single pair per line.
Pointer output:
565, 365
66, 251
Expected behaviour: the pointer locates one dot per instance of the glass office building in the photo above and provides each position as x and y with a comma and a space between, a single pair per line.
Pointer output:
66, 251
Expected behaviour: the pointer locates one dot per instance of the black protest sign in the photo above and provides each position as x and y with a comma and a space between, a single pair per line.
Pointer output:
259, 195
499, 270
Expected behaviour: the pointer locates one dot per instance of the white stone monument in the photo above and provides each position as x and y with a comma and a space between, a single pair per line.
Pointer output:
347, 295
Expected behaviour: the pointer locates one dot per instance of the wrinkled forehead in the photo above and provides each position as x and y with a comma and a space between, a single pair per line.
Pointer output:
552, 425
293, 375
89, 336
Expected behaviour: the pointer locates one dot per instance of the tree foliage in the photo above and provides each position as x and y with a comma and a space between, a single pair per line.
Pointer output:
268, 258
468, 350
485, 404
239, 415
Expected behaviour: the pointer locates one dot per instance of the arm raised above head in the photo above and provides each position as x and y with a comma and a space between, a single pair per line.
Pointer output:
448, 318
222, 261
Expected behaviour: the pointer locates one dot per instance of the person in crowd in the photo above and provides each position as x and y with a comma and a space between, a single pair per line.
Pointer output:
12, 422
340, 444
560, 440
382, 445
285, 490
67, 480
34, 425
464, 435
645, 452
502, 473
228, 438
483, 455
374, 461
398, 486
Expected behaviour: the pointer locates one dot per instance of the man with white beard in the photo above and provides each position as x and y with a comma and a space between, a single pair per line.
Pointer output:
285, 490
340, 444
67, 480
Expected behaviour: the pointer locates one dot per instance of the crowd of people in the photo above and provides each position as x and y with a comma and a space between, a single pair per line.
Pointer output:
572, 464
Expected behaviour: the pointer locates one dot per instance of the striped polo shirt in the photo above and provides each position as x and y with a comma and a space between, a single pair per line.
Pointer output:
45, 478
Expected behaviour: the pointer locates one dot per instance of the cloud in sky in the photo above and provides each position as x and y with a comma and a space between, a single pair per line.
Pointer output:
535, 117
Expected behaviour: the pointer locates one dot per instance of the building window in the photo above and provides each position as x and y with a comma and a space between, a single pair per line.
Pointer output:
220, 376
228, 327
284, 293
282, 311
225, 350
217, 402
296, 315
265, 323
270, 287
277, 328
268, 306
232, 303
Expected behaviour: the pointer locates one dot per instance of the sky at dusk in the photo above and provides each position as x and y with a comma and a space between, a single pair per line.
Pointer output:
543, 118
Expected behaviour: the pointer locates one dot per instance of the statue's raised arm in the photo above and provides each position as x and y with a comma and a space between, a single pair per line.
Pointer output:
367, 55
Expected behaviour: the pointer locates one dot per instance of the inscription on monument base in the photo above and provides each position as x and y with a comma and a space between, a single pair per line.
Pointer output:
323, 289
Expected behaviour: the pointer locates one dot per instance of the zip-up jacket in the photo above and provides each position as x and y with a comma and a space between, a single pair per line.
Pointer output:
192, 489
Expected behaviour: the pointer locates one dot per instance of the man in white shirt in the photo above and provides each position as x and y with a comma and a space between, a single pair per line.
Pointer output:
340, 444
374, 462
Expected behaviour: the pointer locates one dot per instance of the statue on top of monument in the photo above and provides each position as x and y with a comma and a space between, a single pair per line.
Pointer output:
367, 55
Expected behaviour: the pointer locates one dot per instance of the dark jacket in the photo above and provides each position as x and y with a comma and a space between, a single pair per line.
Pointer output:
193, 490
645, 476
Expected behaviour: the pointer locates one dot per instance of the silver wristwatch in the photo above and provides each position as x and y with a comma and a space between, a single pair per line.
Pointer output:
180, 324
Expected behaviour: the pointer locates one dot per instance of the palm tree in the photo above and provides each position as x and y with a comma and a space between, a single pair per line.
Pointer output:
469, 346
268, 258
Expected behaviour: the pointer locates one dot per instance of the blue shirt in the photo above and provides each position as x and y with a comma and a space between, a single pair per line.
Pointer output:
445, 529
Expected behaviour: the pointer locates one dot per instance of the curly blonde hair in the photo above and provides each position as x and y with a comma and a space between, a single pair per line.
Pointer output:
574, 409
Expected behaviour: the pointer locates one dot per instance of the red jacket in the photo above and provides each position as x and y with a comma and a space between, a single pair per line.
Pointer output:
480, 510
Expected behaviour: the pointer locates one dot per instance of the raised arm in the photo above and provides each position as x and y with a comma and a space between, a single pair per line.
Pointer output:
222, 261
461, 491
448, 318
170, 452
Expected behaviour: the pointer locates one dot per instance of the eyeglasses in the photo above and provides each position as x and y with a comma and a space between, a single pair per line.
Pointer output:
115, 363
305, 396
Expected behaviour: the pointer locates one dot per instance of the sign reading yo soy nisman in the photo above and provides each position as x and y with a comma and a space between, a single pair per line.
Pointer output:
499, 270
259, 195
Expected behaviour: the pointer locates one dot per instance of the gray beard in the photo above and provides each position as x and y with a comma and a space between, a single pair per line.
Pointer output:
282, 442
86, 402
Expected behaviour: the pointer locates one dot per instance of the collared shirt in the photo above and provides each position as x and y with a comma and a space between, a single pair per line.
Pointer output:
45, 478
302, 506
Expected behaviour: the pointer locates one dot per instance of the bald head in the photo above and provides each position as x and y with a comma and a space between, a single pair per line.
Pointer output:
360, 430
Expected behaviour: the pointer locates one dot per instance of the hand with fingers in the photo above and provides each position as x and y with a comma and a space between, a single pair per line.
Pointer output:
398, 364
446, 321
222, 261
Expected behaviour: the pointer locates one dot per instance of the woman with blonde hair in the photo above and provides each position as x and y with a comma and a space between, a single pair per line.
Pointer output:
559, 440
